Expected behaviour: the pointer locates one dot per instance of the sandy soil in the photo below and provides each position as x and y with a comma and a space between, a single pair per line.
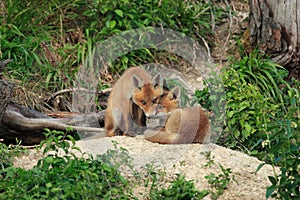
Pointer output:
186, 159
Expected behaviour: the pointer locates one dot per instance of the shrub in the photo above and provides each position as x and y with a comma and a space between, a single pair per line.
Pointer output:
262, 118
64, 177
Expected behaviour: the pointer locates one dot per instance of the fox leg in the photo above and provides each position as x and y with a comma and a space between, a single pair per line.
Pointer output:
113, 122
131, 128
109, 124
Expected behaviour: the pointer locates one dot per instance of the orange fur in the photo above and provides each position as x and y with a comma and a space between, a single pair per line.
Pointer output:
134, 96
183, 125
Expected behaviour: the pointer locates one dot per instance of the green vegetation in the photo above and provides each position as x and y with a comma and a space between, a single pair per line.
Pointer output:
218, 183
178, 189
7, 154
262, 117
48, 45
64, 176
66, 173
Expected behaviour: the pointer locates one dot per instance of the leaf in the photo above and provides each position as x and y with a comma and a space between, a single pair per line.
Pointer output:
48, 185
248, 128
272, 180
259, 167
111, 24
237, 133
119, 12
231, 113
270, 191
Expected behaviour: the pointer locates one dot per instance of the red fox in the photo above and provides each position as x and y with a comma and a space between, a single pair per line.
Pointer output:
134, 97
182, 125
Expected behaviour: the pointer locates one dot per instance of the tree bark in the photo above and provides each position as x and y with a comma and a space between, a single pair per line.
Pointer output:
275, 28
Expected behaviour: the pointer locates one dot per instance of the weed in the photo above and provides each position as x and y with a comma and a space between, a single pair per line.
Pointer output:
153, 176
259, 70
218, 183
179, 189
209, 158
64, 177
282, 147
49, 43
8, 153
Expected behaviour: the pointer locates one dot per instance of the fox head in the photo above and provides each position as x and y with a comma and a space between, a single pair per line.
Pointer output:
146, 96
168, 102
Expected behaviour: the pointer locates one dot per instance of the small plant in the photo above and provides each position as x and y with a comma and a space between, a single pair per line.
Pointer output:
218, 183
179, 189
282, 147
286, 184
118, 158
8, 153
57, 141
213, 98
153, 176
209, 158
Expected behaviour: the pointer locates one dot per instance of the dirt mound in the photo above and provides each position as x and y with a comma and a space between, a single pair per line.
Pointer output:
188, 159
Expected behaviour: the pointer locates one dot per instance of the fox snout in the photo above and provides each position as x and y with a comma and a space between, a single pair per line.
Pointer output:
152, 111
159, 111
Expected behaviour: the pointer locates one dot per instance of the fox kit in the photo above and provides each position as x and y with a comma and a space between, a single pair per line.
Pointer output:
134, 97
182, 125
168, 102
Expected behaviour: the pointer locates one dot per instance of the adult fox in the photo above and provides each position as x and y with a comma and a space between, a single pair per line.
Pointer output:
182, 125
134, 97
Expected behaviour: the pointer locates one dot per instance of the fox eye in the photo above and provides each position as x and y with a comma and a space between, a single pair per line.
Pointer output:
143, 102
155, 101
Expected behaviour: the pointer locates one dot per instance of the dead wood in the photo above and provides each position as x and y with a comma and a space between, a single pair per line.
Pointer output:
28, 125
274, 29
48, 99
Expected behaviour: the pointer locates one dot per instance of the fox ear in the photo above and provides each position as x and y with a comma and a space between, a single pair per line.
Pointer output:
156, 80
137, 82
174, 93
165, 84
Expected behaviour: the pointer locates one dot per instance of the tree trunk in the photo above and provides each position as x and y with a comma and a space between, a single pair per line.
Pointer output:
275, 29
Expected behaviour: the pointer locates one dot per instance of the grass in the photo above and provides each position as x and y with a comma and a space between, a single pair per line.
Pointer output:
48, 44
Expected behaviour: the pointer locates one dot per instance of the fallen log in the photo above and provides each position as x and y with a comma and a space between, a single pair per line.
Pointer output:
27, 125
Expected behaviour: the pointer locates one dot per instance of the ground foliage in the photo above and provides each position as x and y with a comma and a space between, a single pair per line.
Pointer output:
262, 117
48, 41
